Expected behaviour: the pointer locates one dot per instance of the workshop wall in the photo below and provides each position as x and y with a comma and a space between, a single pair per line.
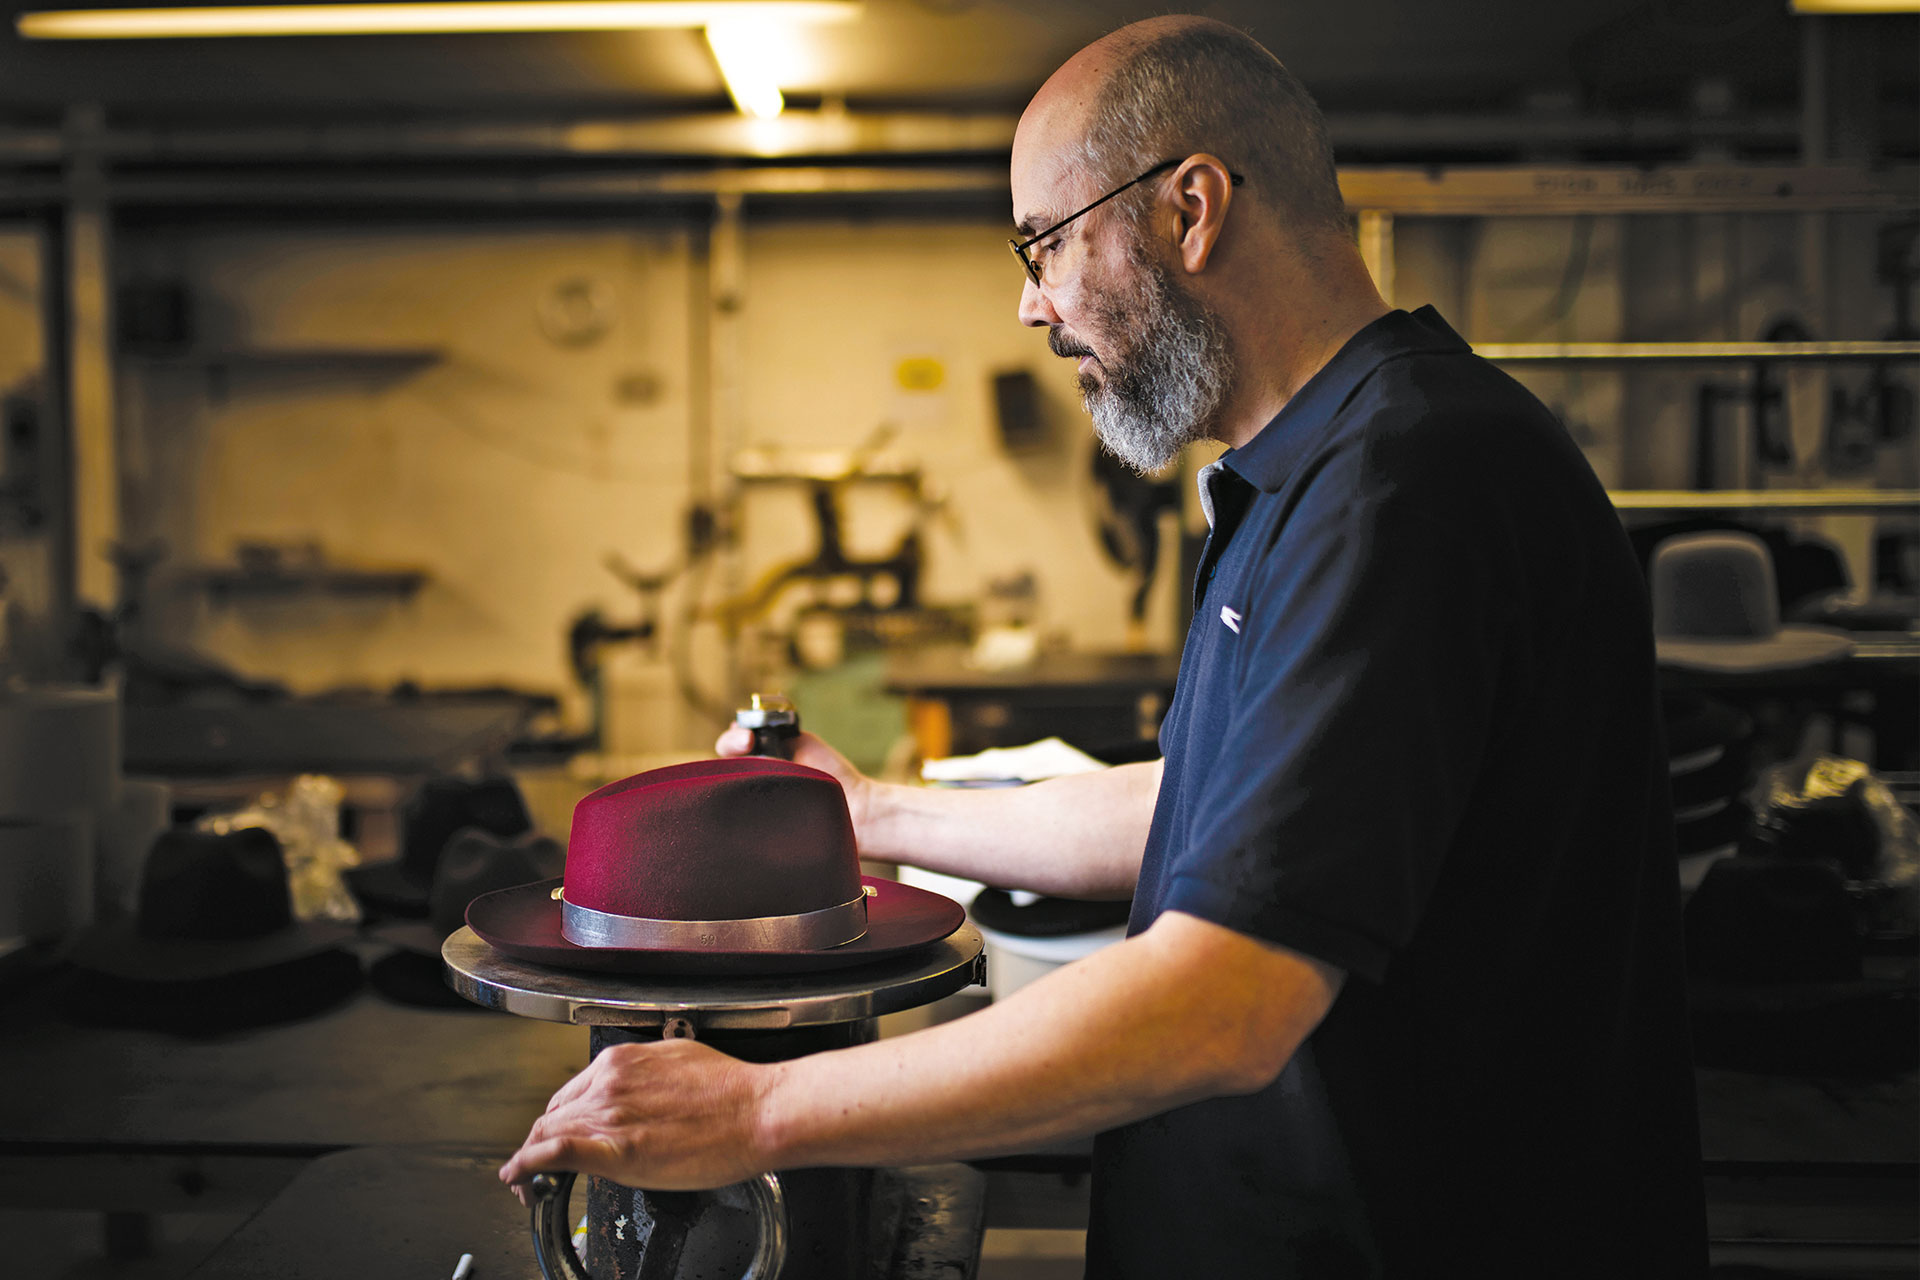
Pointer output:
833, 309
556, 422
1677, 278
505, 468
512, 463
1529, 280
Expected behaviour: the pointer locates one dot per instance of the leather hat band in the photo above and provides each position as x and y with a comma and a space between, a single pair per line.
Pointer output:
809, 931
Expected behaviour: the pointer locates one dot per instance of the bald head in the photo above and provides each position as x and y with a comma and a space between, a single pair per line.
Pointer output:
1171, 87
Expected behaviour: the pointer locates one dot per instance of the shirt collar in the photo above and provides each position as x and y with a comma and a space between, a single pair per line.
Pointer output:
1204, 478
1270, 457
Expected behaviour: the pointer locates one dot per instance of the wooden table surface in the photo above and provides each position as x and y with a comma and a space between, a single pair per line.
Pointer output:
141, 1122
1747, 1117
373, 1071
145, 1122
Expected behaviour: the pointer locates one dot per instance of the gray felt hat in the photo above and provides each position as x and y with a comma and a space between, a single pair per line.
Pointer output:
1715, 608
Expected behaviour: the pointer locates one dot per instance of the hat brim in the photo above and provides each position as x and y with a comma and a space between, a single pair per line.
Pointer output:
120, 950
278, 994
416, 936
419, 981
1786, 649
1866, 1024
389, 887
525, 923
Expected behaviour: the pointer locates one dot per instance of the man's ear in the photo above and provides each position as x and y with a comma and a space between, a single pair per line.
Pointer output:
1202, 190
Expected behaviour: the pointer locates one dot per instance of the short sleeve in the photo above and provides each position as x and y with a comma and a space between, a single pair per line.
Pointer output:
1370, 651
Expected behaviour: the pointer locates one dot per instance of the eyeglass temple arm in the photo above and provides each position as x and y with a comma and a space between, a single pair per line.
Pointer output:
1021, 246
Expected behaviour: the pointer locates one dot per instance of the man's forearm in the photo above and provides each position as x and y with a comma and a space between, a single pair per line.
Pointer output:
1080, 836
1113, 1038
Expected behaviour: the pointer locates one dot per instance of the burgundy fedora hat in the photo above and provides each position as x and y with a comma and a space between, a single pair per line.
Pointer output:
720, 866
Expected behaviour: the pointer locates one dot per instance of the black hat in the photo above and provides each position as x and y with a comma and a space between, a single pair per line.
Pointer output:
210, 905
1708, 769
1761, 919
474, 862
1779, 982
441, 808
215, 946
1042, 917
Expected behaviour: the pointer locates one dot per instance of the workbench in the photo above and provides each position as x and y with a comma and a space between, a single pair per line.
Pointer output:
1799, 1170
417, 1210
137, 1122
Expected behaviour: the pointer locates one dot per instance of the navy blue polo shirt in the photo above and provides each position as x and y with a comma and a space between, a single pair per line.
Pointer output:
1416, 736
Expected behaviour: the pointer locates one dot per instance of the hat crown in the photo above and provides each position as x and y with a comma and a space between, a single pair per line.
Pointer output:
215, 886
477, 861
1714, 586
735, 839
446, 806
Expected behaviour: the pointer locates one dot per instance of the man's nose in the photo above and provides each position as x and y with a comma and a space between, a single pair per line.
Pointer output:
1036, 309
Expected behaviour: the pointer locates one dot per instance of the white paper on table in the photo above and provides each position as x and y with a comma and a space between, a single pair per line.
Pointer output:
1047, 758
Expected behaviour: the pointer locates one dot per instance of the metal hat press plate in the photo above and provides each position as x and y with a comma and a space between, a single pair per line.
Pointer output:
493, 980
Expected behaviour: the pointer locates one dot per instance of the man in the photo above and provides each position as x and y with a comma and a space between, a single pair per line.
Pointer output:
1402, 992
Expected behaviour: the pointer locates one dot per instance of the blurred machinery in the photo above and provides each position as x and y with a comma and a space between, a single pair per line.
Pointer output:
590, 633
806, 613
884, 583
1127, 509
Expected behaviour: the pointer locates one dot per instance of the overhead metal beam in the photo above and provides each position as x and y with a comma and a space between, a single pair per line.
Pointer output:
663, 187
716, 135
852, 134
1459, 191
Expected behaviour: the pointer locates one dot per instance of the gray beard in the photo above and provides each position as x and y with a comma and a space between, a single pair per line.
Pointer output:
1172, 366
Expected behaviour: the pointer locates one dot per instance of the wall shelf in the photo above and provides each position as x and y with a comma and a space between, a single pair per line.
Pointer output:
1809, 501
222, 367
222, 583
295, 359
1561, 190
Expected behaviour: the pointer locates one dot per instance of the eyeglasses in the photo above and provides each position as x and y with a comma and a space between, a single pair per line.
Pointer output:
1020, 247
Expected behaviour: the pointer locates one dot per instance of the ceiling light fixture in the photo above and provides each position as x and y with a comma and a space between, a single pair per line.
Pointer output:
433, 18
746, 53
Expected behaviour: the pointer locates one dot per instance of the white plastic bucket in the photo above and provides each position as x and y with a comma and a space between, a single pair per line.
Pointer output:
1014, 961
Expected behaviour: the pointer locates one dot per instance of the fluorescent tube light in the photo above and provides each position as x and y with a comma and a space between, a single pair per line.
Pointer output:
746, 52
444, 17
1856, 6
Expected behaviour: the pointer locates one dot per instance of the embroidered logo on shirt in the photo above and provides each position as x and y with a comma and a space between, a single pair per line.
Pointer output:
1231, 618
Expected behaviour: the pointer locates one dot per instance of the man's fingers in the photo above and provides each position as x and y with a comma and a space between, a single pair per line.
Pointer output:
638, 1111
554, 1155
539, 1155
736, 741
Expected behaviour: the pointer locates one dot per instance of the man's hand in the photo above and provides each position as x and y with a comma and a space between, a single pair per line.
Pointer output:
815, 754
674, 1115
